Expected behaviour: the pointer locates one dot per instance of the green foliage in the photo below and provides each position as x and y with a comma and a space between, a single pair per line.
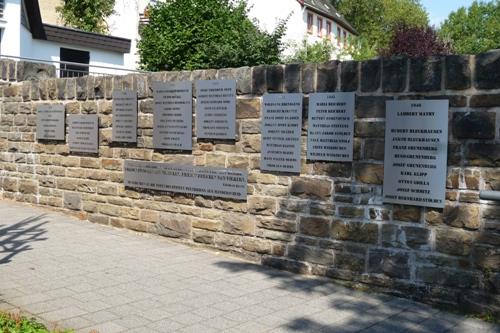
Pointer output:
317, 52
359, 49
198, 34
10, 323
86, 15
475, 29
376, 20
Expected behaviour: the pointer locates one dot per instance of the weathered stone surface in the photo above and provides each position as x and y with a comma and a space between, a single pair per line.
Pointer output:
369, 173
338, 169
454, 241
474, 125
374, 149
486, 258
308, 75
275, 78
321, 208
307, 187
261, 205
309, 254
259, 84
406, 213
458, 73
174, 225
293, 78
462, 216
28, 186
371, 106
392, 264
447, 277
369, 129
326, 80
483, 154
485, 101
31, 71
394, 74
371, 75
238, 224
314, 226
349, 76
351, 211
492, 179
257, 245
355, 231
277, 224
248, 108
425, 74
287, 265
487, 73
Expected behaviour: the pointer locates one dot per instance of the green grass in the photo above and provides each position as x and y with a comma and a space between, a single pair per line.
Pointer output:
15, 323
487, 317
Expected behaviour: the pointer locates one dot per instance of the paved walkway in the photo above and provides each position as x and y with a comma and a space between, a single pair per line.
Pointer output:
88, 277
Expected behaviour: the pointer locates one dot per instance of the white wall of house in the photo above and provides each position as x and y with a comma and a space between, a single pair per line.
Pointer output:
11, 34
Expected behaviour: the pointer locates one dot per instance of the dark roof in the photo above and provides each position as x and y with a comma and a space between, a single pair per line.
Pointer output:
54, 33
324, 7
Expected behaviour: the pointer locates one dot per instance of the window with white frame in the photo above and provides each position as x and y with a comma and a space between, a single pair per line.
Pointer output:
320, 27
2, 6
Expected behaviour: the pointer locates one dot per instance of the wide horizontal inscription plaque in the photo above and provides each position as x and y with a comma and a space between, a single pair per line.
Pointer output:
416, 142
214, 182
50, 123
216, 109
281, 129
124, 116
330, 127
173, 115
83, 133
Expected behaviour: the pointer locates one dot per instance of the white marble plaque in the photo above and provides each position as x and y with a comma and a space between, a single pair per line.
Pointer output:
416, 146
50, 123
216, 109
83, 134
173, 115
331, 127
124, 116
281, 130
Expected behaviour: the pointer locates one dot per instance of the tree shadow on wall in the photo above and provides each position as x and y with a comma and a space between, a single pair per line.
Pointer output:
340, 309
16, 238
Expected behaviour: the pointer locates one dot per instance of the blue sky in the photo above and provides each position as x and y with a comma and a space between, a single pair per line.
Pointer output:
439, 9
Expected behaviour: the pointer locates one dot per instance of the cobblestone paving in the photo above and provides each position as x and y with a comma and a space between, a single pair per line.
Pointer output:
79, 275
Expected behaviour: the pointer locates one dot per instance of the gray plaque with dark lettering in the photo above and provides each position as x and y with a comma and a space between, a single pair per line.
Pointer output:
281, 129
50, 123
216, 109
416, 146
124, 116
214, 182
173, 115
83, 133
330, 127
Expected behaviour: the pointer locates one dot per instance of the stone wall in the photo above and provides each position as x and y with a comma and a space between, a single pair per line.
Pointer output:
330, 219
11, 70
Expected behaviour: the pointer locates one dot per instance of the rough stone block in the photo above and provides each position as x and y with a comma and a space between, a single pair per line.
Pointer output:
366, 129
354, 231
482, 154
309, 254
275, 78
406, 213
488, 70
454, 241
287, 265
314, 226
371, 106
485, 100
394, 74
259, 84
371, 75
389, 263
349, 76
174, 225
293, 82
425, 74
238, 224
73, 201
458, 73
474, 125
308, 74
374, 149
462, 216
309, 187
31, 71
369, 173
337, 169
327, 76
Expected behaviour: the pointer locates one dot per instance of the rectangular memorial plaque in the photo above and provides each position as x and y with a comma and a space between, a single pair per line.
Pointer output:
214, 182
331, 127
216, 109
124, 116
281, 129
173, 115
50, 122
83, 133
416, 142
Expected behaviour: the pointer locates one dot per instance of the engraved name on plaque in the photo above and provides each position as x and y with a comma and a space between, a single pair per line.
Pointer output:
124, 116
216, 109
214, 182
331, 127
83, 133
50, 122
281, 130
173, 115
416, 142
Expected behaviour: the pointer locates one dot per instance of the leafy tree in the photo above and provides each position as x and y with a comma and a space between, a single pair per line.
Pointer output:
317, 52
416, 42
197, 34
475, 29
377, 20
87, 15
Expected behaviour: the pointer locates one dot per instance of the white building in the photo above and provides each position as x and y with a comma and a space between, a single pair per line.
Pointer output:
24, 35
311, 20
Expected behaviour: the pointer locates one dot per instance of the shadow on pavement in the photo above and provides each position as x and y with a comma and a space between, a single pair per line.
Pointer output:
16, 238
